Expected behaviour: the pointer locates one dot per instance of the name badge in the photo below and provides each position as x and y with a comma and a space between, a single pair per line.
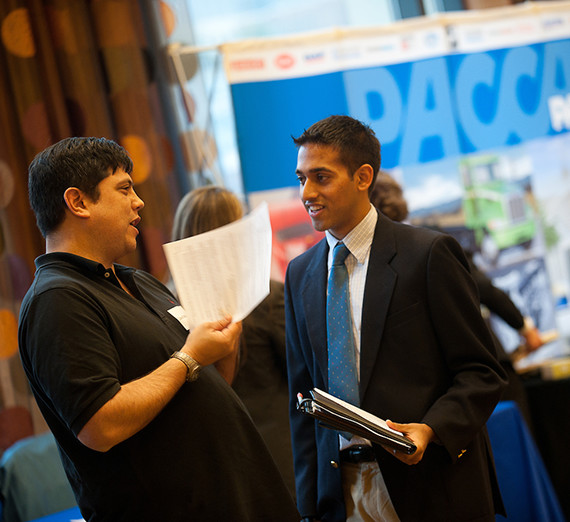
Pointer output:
179, 313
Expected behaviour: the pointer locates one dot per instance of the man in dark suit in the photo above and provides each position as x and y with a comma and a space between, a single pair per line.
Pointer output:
424, 356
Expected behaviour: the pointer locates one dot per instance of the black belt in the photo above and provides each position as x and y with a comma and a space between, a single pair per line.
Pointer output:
356, 454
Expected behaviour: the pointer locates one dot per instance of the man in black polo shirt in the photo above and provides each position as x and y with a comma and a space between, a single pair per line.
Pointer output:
147, 426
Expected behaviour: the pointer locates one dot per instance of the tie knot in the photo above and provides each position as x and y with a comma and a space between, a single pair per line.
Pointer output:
340, 253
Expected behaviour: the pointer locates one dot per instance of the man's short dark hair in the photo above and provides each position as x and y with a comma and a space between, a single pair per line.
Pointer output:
73, 162
355, 141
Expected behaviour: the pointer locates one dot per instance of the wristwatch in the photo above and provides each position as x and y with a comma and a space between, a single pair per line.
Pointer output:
193, 366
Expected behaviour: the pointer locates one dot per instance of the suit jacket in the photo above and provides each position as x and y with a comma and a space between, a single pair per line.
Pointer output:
426, 356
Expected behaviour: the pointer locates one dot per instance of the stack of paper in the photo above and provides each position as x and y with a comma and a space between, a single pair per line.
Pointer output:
224, 271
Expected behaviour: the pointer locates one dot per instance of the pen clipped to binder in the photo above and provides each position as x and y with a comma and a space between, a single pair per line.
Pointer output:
339, 415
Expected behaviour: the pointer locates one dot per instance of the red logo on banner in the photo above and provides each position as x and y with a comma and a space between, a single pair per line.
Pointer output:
284, 61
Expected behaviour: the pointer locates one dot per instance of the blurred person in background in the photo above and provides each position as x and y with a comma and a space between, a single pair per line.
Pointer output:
261, 380
388, 197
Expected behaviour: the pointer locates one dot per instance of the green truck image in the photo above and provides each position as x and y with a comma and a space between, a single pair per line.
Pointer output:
494, 205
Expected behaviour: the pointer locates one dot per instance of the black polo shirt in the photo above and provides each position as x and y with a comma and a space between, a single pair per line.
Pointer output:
81, 337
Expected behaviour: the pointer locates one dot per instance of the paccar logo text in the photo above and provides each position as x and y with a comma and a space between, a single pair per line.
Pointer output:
443, 107
284, 61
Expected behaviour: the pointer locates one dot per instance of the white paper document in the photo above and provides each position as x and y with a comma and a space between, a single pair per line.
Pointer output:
224, 271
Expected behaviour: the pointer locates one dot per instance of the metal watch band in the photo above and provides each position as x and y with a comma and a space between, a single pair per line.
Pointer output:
191, 364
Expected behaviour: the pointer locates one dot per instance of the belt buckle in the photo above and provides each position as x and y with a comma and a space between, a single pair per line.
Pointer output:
357, 454
362, 454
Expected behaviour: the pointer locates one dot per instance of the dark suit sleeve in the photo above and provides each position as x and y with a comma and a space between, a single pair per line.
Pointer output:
496, 300
476, 379
302, 426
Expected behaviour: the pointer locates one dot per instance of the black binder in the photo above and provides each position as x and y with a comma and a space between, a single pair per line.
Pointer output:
338, 415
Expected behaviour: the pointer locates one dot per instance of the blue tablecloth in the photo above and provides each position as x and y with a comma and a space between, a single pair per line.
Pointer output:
524, 482
69, 515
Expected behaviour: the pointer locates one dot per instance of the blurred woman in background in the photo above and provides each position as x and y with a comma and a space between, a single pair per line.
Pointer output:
261, 380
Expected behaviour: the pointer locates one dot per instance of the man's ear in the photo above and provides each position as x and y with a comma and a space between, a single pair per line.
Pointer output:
365, 175
75, 200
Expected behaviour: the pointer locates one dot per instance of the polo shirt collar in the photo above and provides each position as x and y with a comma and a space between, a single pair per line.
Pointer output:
82, 263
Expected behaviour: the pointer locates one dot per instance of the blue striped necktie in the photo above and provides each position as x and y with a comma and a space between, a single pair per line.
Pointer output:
343, 378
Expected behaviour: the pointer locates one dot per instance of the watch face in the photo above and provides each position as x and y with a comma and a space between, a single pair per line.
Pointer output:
193, 375
194, 370
192, 366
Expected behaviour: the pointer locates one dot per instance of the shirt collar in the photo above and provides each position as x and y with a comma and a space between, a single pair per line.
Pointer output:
359, 239
83, 264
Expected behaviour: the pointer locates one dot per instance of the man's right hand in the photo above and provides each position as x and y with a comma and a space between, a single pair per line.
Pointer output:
207, 343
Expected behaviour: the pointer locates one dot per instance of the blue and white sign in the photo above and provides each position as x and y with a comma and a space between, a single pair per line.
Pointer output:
430, 90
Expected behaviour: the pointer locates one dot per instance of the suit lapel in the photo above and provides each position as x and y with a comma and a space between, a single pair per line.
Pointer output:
314, 305
380, 282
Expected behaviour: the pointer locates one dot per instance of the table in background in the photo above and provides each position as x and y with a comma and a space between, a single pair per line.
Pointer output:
549, 404
526, 488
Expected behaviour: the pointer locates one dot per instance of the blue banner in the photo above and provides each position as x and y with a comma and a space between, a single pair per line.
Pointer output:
421, 111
